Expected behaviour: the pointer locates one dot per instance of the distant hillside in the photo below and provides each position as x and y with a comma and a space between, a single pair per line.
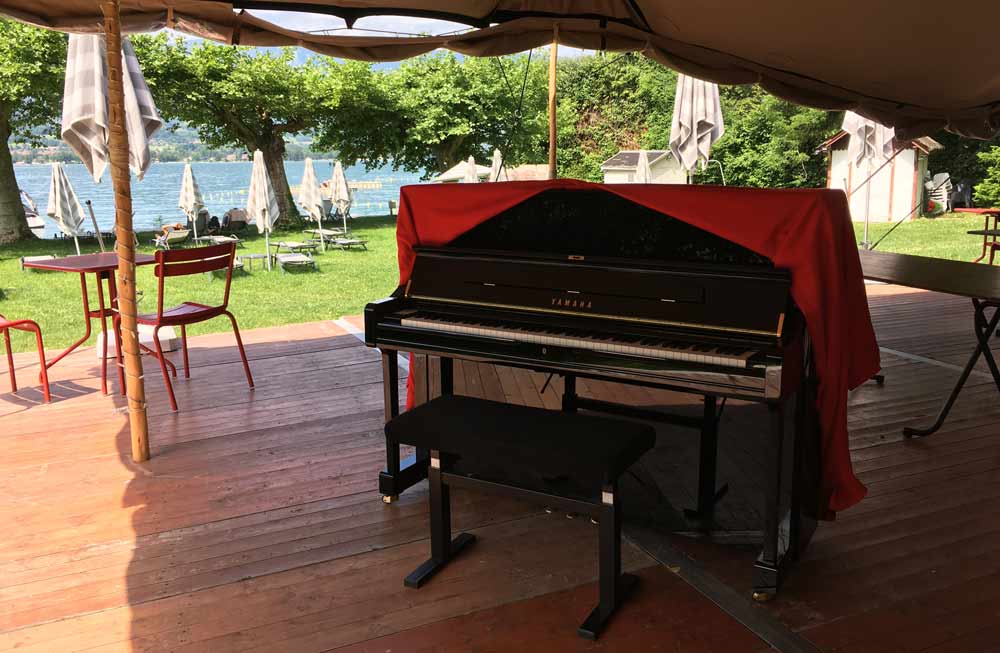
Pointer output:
175, 142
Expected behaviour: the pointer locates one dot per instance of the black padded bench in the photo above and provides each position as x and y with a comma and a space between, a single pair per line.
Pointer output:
565, 460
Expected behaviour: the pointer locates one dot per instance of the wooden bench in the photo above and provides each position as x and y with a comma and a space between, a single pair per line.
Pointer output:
566, 460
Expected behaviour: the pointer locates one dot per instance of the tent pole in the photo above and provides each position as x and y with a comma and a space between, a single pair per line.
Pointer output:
553, 57
125, 243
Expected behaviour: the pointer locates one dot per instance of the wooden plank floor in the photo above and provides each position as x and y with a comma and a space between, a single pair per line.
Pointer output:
257, 525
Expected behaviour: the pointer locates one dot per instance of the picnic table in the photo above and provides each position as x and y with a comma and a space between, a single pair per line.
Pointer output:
103, 267
989, 234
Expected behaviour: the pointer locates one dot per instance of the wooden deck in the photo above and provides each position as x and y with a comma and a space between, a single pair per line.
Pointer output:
257, 525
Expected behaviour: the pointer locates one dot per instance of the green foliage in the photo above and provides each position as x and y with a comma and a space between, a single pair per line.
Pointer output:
769, 142
960, 156
32, 67
236, 96
987, 192
32, 64
436, 110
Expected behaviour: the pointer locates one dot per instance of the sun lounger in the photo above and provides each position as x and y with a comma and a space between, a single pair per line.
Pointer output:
294, 261
348, 243
219, 240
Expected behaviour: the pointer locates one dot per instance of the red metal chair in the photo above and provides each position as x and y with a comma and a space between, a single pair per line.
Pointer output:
183, 262
32, 327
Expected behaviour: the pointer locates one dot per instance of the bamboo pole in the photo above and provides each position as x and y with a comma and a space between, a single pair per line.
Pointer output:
125, 244
553, 56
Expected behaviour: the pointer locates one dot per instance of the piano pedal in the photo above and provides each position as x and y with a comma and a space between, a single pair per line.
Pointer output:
390, 498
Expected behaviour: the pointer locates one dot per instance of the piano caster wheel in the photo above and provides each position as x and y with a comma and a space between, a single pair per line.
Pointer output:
763, 597
390, 498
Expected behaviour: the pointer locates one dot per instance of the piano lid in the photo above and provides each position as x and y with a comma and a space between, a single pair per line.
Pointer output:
599, 224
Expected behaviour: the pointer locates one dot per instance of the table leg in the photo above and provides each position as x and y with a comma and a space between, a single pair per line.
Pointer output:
102, 315
984, 328
986, 226
86, 319
113, 303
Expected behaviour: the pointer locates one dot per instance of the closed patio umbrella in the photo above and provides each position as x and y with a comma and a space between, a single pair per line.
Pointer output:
643, 175
311, 198
340, 193
262, 203
471, 172
85, 118
696, 123
497, 170
64, 207
869, 142
190, 200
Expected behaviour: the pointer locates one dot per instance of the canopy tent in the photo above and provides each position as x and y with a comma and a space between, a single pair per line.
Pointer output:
796, 50
697, 121
340, 193
262, 203
190, 200
643, 175
64, 207
85, 106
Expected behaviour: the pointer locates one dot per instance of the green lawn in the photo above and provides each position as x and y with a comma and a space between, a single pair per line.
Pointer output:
346, 281
942, 237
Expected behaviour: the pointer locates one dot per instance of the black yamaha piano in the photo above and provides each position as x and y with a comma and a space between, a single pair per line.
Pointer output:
584, 283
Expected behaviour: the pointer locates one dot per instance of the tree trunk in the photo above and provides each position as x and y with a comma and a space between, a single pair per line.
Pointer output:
274, 160
13, 223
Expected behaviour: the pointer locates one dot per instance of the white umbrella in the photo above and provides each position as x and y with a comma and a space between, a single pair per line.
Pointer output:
262, 203
643, 175
869, 142
497, 171
311, 198
85, 105
697, 121
191, 201
64, 207
340, 192
471, 172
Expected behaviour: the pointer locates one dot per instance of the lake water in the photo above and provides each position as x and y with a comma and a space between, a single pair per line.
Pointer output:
223, 186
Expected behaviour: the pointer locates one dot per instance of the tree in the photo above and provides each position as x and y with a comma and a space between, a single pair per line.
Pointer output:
437, 110
987, 192
236, 97
770, 143
32, 67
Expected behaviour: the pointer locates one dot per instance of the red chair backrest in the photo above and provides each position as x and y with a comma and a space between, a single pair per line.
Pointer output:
196, 260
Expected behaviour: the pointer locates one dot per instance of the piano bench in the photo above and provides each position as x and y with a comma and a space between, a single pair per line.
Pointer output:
566, 460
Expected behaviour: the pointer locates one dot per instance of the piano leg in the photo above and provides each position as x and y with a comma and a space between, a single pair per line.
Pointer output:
569, 398
767, 570
398, 475
708, 461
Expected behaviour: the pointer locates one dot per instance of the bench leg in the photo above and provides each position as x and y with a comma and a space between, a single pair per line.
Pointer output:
614, 586
443, 548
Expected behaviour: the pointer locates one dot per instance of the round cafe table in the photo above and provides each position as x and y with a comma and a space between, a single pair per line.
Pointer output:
103, 267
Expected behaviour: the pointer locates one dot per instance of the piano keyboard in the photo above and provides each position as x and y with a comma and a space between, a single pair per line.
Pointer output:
618, 344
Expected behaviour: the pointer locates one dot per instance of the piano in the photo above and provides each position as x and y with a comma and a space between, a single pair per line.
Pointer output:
586, 284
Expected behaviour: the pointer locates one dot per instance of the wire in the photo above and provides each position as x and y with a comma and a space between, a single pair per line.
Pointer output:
912, 211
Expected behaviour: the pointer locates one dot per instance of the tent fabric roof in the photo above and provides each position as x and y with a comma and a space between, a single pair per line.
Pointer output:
797, 50
629, 159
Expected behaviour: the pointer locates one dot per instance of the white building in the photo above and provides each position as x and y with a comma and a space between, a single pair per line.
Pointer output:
895, 190
620, 169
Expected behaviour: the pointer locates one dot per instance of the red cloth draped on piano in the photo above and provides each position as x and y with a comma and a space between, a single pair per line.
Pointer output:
807, 231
